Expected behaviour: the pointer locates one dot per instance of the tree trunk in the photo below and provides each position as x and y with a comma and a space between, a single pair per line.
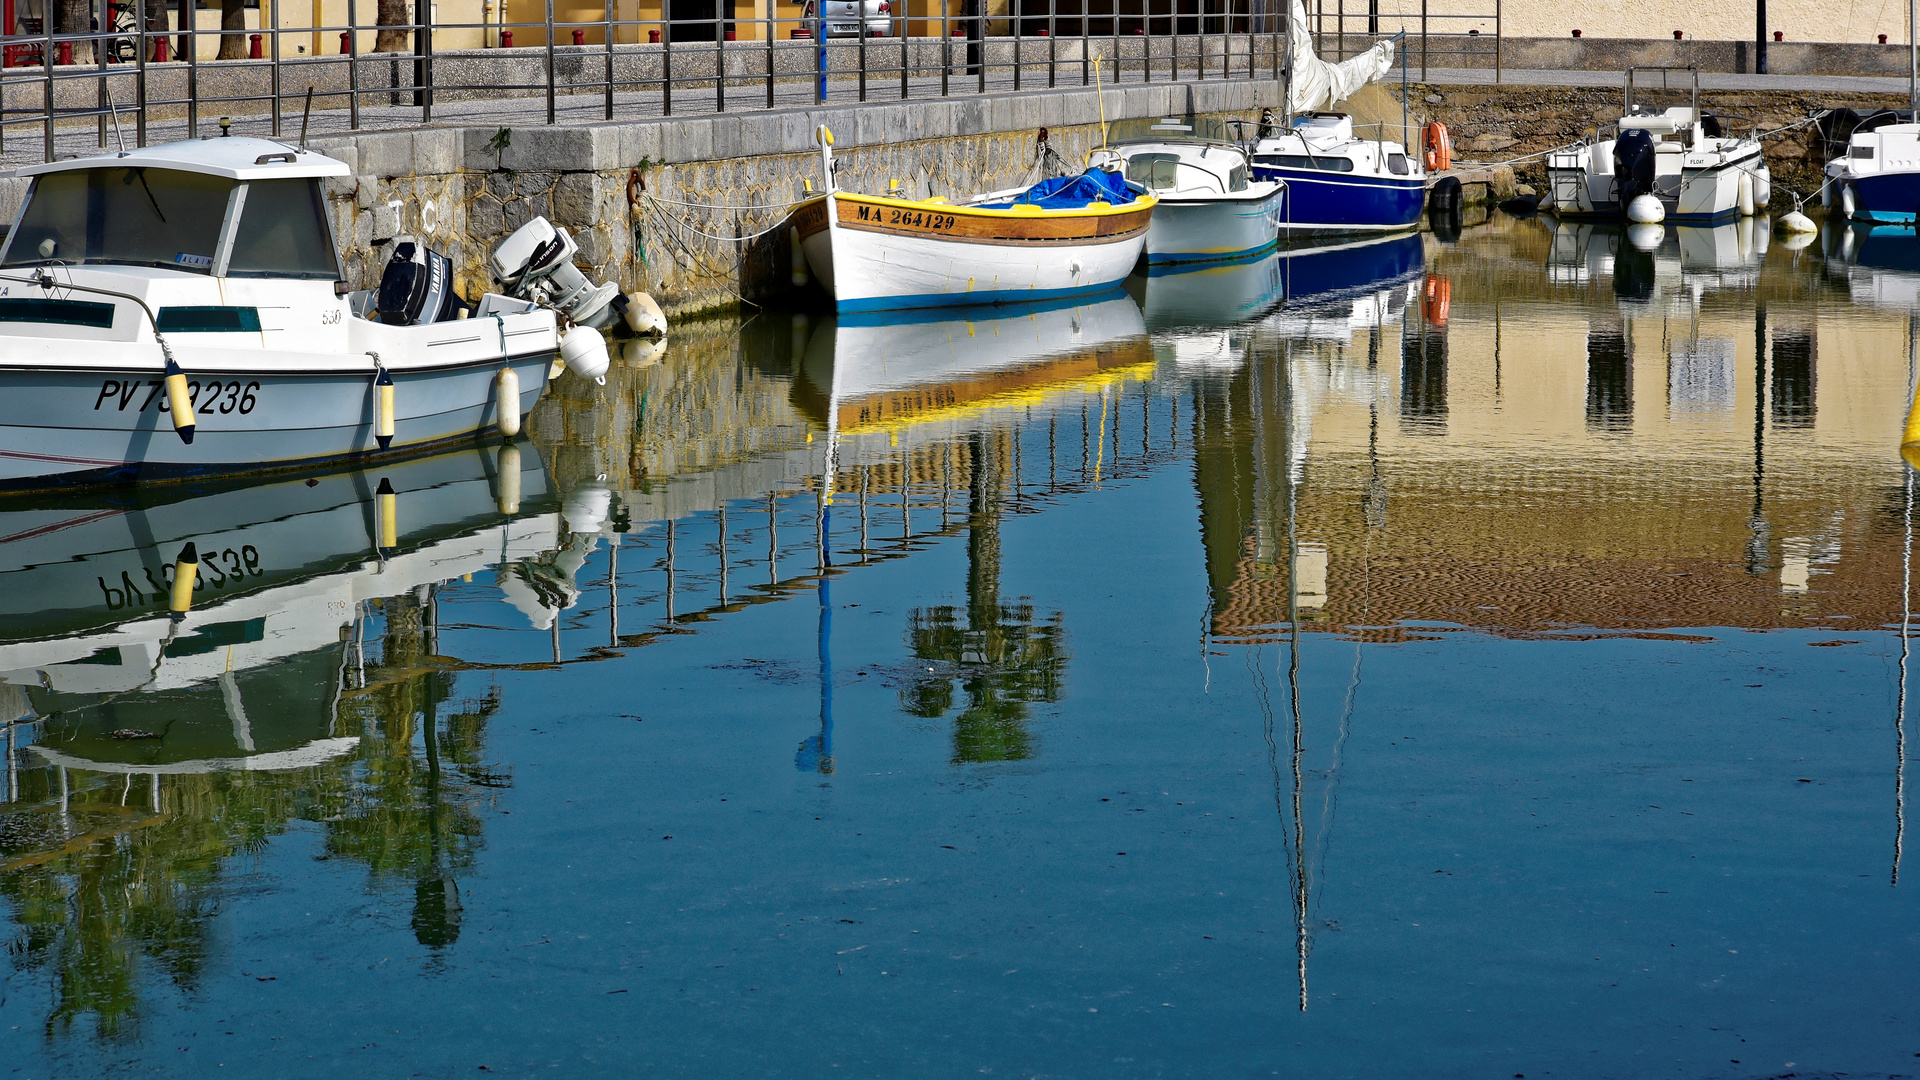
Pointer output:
233, 29
156, 22
73, 17
393, 13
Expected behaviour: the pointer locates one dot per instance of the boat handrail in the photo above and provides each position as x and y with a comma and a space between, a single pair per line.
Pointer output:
46, 281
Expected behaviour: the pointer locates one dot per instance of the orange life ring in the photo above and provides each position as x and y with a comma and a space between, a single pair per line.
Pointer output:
1439, 298
1437, 148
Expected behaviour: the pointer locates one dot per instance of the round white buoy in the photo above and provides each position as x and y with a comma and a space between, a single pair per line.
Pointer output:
506, 402
585, 353
1646, 236
586, 509
644, 315
1646, 210
1744, 189
1794, 223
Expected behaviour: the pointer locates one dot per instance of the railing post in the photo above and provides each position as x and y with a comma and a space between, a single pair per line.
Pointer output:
902, 37
1146, 40
1086, 44
273, 54
771, 29
193, 81
1053, 50
550, 90
946, 44
353, 65
100, 67
139, 80
1423, 40
1019, 37
423, 59
860, 17
819, 53
609, 31
719, 56
1496, 41
979, 46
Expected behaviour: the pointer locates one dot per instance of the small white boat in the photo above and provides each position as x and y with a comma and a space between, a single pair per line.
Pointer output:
1060, 238
178, 310
1679, 163
1211, 207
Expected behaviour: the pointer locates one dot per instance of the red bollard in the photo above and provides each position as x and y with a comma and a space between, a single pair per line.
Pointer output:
1140, 32
1779, 35
959, 33
1883, 39
506, 39
344, 47
579, 37
1576, 33
160, 51
253, 48
653, 37
731, 37
64, 54
797, 35
1676, 35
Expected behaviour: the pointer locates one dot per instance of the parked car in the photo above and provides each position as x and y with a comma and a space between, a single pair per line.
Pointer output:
842, 18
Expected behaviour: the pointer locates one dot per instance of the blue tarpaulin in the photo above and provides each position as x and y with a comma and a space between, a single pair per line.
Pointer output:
1069, 192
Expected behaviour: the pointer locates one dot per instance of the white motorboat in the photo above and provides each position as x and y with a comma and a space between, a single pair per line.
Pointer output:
178, 310
1211, 208
1674, 164
1065, 237
1339, 182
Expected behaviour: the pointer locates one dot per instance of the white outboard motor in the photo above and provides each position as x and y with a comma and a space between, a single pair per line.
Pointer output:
536, 263
417, 286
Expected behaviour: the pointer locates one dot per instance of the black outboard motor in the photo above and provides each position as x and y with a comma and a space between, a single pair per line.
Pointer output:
1633, 165
417, 287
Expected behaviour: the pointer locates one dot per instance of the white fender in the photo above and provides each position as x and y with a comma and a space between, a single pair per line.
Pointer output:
1744, 186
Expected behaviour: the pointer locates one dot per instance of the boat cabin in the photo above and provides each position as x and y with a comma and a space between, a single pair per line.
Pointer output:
1175, 156
1325, 142
217, 207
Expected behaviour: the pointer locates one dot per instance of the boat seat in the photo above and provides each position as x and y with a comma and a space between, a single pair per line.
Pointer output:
1668, 148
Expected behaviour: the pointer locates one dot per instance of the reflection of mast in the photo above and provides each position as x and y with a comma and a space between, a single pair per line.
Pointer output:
816, 753
1303, 944
1900, 710
1757, 540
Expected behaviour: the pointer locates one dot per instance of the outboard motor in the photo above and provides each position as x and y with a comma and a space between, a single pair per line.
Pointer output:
417, 287
536, 263
1632, 165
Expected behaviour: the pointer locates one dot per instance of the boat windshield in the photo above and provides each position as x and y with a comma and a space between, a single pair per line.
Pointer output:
126, 216
283, 233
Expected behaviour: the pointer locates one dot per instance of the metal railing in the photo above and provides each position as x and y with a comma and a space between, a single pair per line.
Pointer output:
73, 90
1448, 37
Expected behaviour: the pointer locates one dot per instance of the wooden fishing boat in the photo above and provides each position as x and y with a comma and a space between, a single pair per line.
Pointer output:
1065, 237
178, 310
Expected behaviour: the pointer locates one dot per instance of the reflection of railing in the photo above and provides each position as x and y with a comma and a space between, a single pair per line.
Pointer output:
374, 74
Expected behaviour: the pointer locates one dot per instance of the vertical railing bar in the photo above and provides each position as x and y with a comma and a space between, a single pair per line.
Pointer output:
1053, 31
1086, 43
666, 56
193, 79
46, 60
353, 65
102, 7
980, 7
770, 54
719, 56
550, 88
612, 28
946, 44
1497, 40
140, 79
903, 39
1423, 40
273, 63
423, 44
860, 18
1019, 40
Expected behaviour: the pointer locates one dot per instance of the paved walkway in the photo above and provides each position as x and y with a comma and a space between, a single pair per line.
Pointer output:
25, 143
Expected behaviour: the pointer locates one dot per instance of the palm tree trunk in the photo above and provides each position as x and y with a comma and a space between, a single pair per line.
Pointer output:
233, 29
74, 17
393, 13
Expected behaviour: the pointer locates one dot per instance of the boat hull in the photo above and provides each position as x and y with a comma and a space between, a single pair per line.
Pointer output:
69, 426
1334, 203
1583, 191
1212, 229
877, 254
1886, 198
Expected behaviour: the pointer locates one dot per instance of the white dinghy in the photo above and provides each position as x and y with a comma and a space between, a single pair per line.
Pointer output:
178, 310
1211, 208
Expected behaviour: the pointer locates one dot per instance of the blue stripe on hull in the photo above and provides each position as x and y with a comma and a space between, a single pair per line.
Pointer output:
969, 299
1345, 202
1889, 198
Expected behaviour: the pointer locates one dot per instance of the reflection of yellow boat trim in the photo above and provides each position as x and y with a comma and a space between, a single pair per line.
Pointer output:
901, 409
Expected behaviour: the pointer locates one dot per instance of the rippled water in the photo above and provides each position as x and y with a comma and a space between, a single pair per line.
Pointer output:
1386, 660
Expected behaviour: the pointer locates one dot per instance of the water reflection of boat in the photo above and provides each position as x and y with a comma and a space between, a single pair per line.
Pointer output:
1657, 264
1336, 290
1210, 294
286, 573
875, 372
1879, 263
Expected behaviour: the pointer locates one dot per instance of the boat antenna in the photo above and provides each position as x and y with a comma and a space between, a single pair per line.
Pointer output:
305, 115
114, 111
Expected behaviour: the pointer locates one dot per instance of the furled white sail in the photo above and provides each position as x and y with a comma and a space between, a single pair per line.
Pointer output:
1318, 84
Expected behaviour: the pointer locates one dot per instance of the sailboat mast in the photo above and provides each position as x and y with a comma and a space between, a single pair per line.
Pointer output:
1913, 62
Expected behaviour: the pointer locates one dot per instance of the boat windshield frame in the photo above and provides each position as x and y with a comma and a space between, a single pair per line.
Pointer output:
211, 204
